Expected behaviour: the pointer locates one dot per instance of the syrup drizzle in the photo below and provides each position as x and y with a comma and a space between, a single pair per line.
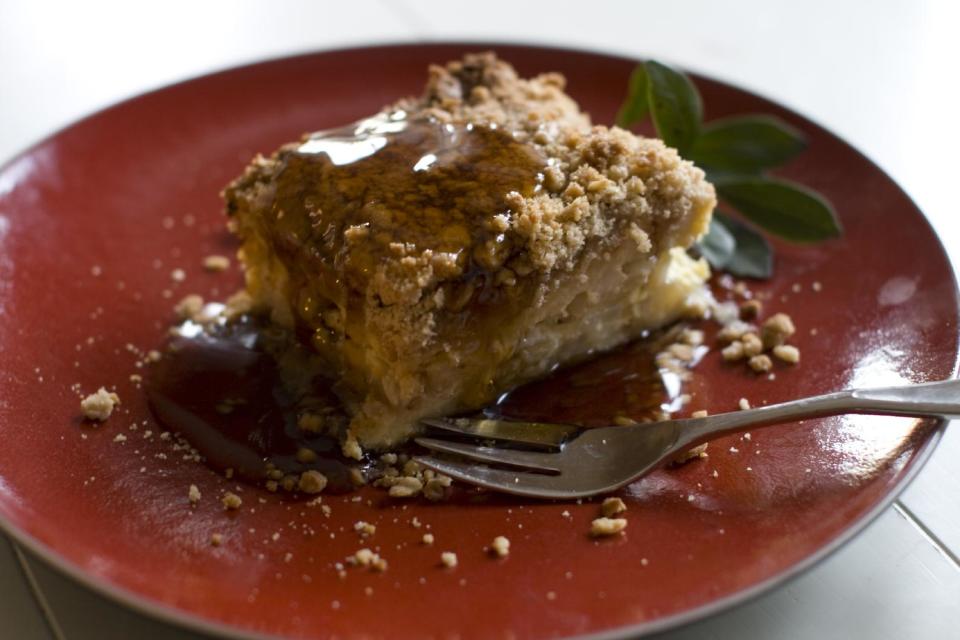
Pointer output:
220, 387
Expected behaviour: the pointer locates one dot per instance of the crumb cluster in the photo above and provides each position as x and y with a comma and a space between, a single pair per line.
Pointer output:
745, 341
98, 406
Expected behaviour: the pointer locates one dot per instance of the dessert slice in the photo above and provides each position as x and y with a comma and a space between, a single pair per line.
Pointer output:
457, 245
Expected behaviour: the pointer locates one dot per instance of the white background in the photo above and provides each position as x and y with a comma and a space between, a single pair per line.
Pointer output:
880, 74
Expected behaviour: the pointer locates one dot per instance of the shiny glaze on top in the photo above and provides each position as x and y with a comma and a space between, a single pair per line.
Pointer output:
391, 185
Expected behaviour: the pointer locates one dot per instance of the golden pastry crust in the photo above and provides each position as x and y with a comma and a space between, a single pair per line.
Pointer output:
493, 234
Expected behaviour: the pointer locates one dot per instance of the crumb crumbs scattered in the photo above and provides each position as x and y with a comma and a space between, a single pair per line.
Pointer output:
500, 546
760, 363
694, 453
216, 263
312, 481
787, 353
231, 501
365, 529
448, 559
351, 447
368, 559
751, 309
189, 307
602, 527
733, 351
406, 487
752, 345
612, 506
776, 329
98, 406
436, 487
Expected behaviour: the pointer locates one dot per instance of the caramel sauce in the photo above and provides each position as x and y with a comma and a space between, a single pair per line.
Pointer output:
390, 184
220, 387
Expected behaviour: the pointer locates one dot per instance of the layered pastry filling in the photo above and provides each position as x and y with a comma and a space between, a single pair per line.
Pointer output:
454, 246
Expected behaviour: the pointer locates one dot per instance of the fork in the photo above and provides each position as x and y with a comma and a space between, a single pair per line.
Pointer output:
561, 461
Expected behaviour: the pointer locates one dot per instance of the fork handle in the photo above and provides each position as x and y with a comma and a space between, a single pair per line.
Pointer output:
932, 399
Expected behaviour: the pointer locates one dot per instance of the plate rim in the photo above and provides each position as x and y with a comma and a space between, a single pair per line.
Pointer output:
187, 620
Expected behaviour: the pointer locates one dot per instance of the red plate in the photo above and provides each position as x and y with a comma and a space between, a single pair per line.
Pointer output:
93, 221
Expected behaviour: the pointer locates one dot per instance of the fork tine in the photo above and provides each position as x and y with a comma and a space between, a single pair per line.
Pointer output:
534, 460
520, 483
542, 435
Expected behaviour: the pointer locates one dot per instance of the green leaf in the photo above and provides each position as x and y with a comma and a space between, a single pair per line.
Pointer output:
718, 245
635, 107
674, 104
753, 256
786, 209
746, 145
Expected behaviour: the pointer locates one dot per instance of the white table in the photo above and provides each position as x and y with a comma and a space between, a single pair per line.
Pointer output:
878, 74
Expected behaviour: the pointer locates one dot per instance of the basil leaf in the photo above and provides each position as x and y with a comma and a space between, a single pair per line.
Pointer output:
718, 245
782, 208
635, 107
675, 105
753, 256
746, 145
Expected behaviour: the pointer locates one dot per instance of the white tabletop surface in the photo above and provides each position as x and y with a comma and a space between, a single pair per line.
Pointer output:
880, 74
